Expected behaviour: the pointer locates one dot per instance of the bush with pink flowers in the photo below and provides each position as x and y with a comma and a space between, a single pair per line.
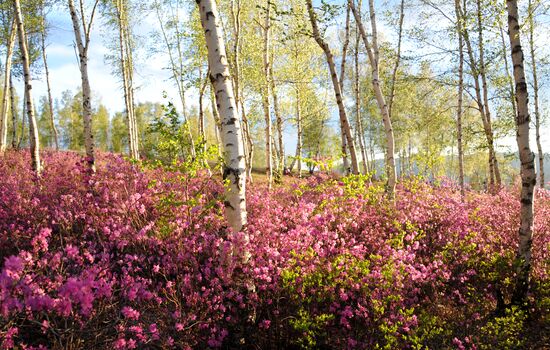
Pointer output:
138, 257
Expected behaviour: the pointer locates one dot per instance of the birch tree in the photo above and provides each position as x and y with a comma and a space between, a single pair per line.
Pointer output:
265, 95
234, 171
33, 129
527, 158
82, 28
374, 56
478, 72
6, 88
336, 86
168, 16
531, 10
126, 70
460, 97
43, 31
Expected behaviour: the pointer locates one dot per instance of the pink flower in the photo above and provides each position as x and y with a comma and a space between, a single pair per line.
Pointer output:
130, 313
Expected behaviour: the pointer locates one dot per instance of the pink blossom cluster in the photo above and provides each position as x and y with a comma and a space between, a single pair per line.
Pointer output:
139, 257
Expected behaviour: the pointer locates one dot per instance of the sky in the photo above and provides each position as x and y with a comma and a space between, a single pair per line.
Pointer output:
151, 77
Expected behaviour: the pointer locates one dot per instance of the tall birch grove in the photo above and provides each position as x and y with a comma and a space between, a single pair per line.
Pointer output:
274, 174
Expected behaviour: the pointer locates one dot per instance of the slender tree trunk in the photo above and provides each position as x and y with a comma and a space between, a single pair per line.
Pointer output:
265, 97
475, 72
247, 139
217, 122
33, 129
279, 121
528, 176
47, 71
5, 95
23, 122
125, 69
234, 165
373, 54
490, 137
345, 161
460, 97
130, 75
82, 43
507, 69
359, 119
398, 58
336, 85
202, 131
536, 93
299, 138
13, 115
177, 71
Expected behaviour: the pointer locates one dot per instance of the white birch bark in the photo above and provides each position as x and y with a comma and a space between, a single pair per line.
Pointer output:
82, 38
48, 86
460, 97
234, 164
540, 153
13, 115
336, 85
33, 129
482, 71
528, 176
373, 55
345, 161
265, 99
5, 96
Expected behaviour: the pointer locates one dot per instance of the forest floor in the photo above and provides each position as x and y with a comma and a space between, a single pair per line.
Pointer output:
140, 257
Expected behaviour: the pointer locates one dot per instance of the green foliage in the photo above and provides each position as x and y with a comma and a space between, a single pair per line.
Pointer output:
311, 328
174, 149
504, 332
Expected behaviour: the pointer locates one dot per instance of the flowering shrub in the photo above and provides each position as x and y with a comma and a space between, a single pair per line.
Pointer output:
136, 257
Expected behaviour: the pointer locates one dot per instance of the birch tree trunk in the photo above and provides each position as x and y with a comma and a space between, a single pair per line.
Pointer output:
130, 73
47, 71
175, 65
202, 90
507, 69
475, 72
82, 42
33, 129
482, 70
248, 144
13, 115
126, 69
299, 127
460, 97
398, 58
536, 93
359, 119
265, 98
345, 162
373, 55
5, 96
528, 176
23, 122
234, 165
336, 85
279, 121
